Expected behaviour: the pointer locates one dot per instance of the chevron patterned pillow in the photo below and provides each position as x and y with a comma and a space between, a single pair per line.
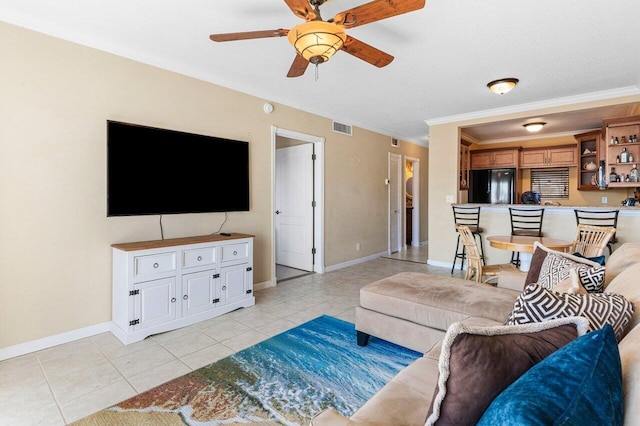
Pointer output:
538, 304
555, 269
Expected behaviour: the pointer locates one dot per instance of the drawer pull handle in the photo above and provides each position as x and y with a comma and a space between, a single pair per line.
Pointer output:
173, 300
235, 252
155, 265
199, 258
185, 297
224, 287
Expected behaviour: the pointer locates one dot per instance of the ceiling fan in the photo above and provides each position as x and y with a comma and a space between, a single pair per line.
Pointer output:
317, 40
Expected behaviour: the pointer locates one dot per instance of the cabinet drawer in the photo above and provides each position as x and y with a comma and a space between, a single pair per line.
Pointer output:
150, 266
198, 257
235, 252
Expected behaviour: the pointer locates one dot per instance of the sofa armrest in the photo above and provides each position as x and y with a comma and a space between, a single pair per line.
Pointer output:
330, 417
512, 280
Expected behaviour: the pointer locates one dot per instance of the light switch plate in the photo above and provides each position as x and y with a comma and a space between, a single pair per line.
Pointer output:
449, 199
605, 200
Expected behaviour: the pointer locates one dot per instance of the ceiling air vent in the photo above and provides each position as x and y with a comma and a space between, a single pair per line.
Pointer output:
345, 129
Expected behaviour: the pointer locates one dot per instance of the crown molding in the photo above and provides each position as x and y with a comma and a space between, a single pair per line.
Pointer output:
587, 97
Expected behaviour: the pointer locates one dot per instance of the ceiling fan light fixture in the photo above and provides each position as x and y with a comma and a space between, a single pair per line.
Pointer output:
317, 41
502, 86
534, 127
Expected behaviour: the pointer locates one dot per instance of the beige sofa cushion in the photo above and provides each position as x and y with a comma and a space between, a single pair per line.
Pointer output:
630, 360
623, 257
438, 305
627, 284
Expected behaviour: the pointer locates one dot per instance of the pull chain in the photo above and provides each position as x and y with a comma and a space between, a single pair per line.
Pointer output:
316, 72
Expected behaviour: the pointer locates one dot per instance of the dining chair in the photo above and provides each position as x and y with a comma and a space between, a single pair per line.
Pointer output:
606, 218
590, 241
468, 216
525, 222
476, 269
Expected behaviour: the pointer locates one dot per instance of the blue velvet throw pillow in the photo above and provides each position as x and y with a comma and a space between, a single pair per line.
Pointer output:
597, 259
579, 384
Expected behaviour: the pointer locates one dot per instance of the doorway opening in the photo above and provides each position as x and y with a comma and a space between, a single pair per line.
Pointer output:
412, 201
298, 204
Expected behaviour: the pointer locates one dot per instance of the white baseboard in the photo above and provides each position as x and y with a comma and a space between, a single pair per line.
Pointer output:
263, 285
81, 333
355, 262
51, 341
439, 263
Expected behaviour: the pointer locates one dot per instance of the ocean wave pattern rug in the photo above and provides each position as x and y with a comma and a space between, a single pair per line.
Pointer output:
286, 379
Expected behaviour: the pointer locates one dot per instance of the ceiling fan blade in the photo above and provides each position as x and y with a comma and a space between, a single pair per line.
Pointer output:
367, 53
301, 8
298, 67
375, 11
249, 35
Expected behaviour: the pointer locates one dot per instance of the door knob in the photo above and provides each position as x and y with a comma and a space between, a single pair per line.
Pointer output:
278, 212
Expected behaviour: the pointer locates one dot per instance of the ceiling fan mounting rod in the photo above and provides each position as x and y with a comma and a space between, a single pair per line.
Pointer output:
316, 8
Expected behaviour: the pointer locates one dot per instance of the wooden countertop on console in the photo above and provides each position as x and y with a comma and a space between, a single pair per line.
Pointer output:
144, 245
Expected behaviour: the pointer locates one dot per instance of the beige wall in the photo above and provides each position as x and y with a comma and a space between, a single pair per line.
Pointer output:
443, 171
55, 98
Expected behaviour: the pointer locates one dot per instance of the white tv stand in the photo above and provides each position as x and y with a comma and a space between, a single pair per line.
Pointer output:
167, 284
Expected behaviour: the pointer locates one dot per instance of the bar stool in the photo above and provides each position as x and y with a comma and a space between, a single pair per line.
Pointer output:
467, 216
525, 222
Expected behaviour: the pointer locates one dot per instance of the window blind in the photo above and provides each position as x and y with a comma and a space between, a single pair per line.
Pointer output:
551, 183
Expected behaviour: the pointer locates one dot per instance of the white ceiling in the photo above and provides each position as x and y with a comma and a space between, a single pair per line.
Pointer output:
445, 54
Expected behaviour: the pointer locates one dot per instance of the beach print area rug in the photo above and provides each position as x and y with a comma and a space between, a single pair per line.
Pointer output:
286, 380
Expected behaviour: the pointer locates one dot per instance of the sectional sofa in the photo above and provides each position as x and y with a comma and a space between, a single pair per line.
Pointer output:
429, 313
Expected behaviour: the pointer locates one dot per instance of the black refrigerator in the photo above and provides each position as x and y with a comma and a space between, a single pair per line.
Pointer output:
495, 186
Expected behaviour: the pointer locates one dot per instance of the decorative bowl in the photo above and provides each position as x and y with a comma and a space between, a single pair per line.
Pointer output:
590, 166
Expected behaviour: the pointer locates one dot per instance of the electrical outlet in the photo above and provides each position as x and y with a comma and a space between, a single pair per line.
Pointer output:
449, 199
357, 246
605, 200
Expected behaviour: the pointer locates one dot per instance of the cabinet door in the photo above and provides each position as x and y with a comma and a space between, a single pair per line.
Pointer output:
589, 154
559, 157
200, 292
533, 158
481, 160
506, 158
155, 303
234, 283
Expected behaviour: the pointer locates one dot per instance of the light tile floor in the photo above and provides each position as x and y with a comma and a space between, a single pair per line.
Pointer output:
62, 384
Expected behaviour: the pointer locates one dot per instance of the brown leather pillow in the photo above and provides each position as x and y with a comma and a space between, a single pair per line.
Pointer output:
477, 363
536, 263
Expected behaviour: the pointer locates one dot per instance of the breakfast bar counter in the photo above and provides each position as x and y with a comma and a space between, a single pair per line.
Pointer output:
559, 223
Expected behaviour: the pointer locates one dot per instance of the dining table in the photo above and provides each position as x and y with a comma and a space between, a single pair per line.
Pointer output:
524, 245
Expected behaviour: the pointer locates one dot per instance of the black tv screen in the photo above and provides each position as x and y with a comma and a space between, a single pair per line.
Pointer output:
158, 171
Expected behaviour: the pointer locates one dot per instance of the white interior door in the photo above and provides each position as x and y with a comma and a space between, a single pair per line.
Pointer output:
294, 206
396, 189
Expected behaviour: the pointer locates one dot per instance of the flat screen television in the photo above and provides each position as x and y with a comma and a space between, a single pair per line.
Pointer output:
152, 171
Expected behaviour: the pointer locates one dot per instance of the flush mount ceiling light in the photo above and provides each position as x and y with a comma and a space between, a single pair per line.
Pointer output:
534, 127
502, 86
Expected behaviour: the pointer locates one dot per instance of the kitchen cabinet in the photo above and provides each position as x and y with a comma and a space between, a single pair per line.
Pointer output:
590, 154
621, 131
494, 158
555, 156
166, 284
